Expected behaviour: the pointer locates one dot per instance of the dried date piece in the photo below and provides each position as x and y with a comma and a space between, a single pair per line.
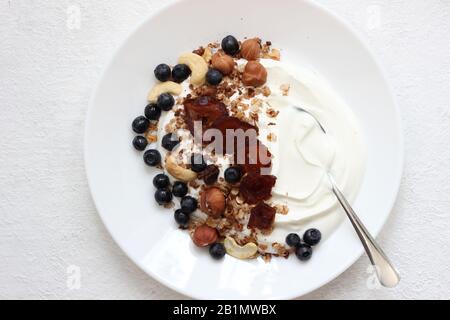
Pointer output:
262, 217
230, 125
255, 187
210, 174
255, 159
205, 109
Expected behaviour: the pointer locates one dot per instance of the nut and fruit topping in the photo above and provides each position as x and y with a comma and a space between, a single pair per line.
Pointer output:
210, 174
212, 202
152, 157
179, 189
251, 49
180, 73
204, 236
163, 196
140, 124
226, 94
255, 75
262, 217
214, 77
162, 72
161, 181
312, 237
223, 62
217, 251
140, 143
230, 45
181, 218
233, 174
188, 204
205, 109
255, 187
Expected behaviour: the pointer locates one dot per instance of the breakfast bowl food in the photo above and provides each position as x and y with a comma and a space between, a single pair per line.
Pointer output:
241, 213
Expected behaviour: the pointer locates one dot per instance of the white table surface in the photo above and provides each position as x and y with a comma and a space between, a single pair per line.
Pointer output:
48, 223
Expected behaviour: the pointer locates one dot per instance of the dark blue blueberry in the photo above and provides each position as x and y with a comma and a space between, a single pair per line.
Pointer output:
162, 72
166, 101
188, 204
140, 143
170, 141
181, 218
198, 163
230, 45
152, 112
303, 252
293, 240
163, 196
179, 189
140, 124
152, 157
312, 237
161, 181
217, 251
180, 73
233, 174
214, 77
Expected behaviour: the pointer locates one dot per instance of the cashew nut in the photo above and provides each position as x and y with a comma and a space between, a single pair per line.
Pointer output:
198, 67
178, 171
207, 55
241, 252
163, 87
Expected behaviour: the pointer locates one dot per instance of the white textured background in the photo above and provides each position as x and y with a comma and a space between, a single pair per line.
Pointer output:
47, 218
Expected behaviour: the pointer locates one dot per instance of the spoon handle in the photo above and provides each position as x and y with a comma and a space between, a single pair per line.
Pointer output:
386, 272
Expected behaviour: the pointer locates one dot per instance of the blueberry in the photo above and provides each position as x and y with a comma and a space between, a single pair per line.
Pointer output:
180, 73
166, 101
188, 204
170, 141
152, 112
312, 237
140, 143
152, 157
303, 252
140, 124
217, 251
181, 218
233, 174
198, 164
214, 77
161, 181
162, 72
163, 196
293, 240
230, 45
179, 189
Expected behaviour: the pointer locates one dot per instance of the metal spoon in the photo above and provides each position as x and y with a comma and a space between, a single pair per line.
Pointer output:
386, 272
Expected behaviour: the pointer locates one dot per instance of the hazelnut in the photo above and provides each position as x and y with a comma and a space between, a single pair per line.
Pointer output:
204, 236
254, 75
251, 49
222, 62
212, 202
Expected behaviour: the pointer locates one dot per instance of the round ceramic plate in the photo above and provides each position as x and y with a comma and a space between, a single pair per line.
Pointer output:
121, 184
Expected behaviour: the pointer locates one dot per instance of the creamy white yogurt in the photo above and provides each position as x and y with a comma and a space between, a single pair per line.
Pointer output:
303, 153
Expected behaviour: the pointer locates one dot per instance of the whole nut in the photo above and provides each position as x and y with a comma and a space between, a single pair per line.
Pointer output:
222, 62
251, 49
212, 202
254, 75
204, 236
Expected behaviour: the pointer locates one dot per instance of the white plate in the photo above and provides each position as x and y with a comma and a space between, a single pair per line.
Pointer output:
121, 184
